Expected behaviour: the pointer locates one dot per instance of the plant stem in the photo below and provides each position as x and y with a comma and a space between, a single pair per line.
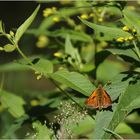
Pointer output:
20, 52
113, 133
136, 49
69, 96
64, 92
25, 57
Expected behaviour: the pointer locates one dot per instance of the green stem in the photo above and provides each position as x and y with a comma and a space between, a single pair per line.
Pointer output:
25, 57
64, 92
136, 49
114, 133
20, 52
67, 95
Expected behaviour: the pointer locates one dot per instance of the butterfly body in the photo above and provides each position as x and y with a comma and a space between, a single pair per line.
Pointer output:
99, 99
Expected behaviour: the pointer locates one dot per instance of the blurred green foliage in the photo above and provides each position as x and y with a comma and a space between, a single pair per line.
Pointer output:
78, 44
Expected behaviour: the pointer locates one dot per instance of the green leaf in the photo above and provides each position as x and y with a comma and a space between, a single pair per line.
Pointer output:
131, 19
13, 103
20, 31
44, 66
125, 52
13, 66
84, 127
108, 69
73, 52
123, 128
42, 132
1, 26
74, 80
110, 120
133, 105
118, 86
109, 33
9, 48
15, 126
87, 67
74, 35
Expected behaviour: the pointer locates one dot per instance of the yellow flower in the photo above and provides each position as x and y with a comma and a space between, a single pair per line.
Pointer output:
126, 28
130, 38
56, 19
84, 16
100, 19
39, 77
34, 102
91, 15
37, 72
120, 39
134, 30
42, 41
47, 12
126, 39
58, 54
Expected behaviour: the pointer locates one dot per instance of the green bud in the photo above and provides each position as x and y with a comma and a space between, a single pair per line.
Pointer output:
9, 48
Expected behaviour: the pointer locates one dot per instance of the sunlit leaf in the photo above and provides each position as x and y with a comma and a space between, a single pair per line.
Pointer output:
74, 80
124, 129
106, 33
131, 19
1, 26
42, 132
126, 52
13, 103
105, 74
74, 35
20, 31
73, 52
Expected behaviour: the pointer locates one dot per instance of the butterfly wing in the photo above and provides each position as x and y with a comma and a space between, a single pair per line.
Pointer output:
99, 99
106, 100
93, 101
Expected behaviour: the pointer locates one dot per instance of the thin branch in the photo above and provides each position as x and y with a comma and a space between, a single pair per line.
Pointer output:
67, 95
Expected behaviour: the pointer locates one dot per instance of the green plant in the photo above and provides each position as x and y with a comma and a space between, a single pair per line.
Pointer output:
90, 48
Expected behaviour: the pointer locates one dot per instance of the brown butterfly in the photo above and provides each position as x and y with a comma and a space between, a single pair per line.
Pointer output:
99, 99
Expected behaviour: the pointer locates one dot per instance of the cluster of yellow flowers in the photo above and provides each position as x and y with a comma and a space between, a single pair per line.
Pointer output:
130, 38
91, 15
49, 11
122, 39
